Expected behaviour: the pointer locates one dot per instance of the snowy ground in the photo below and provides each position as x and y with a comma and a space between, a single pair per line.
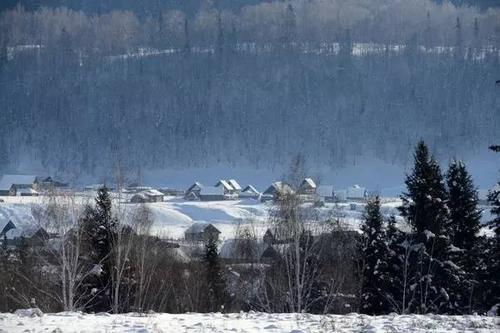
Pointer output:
244, 322
173, 216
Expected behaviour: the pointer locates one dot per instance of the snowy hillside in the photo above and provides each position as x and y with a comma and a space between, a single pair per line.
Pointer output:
244, 322
175, 215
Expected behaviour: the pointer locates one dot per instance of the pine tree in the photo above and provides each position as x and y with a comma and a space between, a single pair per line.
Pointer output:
424, 204
439, 280
216, 282
400, 273
465, 217
493, 252
374, 253
99, 228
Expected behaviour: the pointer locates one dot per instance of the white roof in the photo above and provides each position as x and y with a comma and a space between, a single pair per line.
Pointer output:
212, 190
225, 184
250, 189
198, 227
152, 192
356, 191
235, 184
310, 182
26, 191
325, 190
9, 180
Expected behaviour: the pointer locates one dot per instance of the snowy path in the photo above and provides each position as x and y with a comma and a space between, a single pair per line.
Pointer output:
245, 322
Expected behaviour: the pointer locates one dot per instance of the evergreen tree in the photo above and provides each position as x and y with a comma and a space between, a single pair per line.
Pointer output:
99, 227
216, 282
374, 253
439, 286
465, 217
399, 271
424, 203
492, 296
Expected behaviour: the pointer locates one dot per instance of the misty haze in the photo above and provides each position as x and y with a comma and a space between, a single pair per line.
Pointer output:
249, 165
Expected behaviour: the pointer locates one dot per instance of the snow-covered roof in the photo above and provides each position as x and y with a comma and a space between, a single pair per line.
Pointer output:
279, 187
250, 189
356, 191
26, 191
212, 190
9, 180
198, 227
225, 184
196, 184
234, 184
324, 190
152, 192
309, 182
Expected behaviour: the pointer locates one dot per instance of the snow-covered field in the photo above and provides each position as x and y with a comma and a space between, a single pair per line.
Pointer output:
173, 216
243, 322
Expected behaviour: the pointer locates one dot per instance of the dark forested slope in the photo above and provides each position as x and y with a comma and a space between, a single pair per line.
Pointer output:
83, 93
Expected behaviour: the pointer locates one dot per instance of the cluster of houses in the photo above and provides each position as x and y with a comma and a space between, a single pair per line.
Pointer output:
28, 185
222, 190
308, 191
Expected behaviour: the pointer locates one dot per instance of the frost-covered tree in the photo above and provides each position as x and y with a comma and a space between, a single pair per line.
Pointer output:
465, 216
217, 296
439, 282
424, 203
374, 254
99, 226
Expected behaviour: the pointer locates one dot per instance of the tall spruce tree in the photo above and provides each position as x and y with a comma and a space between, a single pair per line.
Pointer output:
439, 280
374, 255
216, 283
492, 296
465, 216
99, 228
424, 203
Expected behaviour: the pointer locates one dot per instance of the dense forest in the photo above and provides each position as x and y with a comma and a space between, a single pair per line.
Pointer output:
245, 85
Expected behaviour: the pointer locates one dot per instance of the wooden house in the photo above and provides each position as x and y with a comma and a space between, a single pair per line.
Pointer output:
325, 193
249, 192
193, 191
307, 187
12, 185
235, 185
199, 232
150, 195
212, 193
228, 189
356, 193
276, 190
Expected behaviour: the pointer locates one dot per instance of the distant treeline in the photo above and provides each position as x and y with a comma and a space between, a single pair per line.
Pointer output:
255, 86
144, 7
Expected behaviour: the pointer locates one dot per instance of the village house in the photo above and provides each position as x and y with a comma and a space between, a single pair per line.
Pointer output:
307, 190
325, 193
201, 232
18, 185
276, 190
150, 195
213, 193
356, 193
236, 187
193, 192
48, 183
229, 191
249, 192
307, 187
